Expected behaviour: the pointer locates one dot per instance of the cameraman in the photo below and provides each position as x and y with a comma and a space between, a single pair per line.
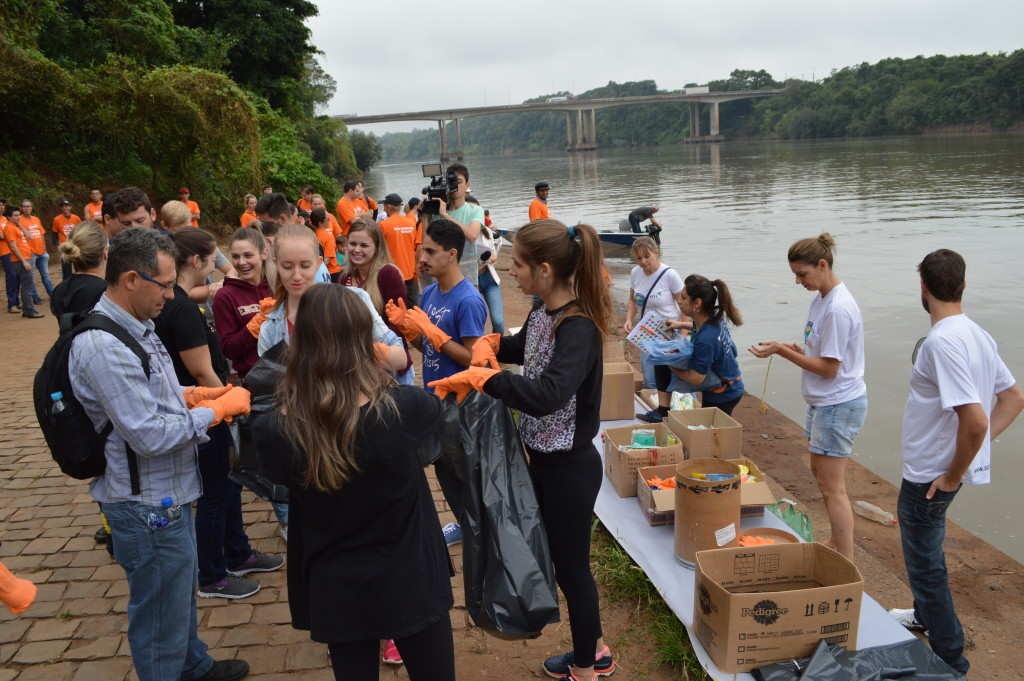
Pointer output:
468, 216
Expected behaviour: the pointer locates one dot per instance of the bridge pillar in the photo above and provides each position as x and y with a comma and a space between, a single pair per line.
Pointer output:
457, 154
568, 131
442, 130
694, 119
714, 119
593, 128
579, 128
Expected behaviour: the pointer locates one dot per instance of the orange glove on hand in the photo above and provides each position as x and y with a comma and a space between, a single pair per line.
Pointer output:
235, 402
195, 394
254, 324
267, 304
419, 319
16, 593
397, 314
484, 351
461, 383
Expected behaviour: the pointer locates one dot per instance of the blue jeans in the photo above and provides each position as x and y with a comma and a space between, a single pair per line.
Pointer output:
42, 263
922, 531
832, 428
11, 280
161, 569
492, 294
221, 542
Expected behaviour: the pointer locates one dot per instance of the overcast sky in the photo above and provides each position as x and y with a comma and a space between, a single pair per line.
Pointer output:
412, 55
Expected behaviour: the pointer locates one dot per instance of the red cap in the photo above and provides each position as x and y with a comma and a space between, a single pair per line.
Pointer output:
184, 190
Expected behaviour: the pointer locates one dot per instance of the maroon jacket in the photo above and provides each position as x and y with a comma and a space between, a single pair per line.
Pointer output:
234, 305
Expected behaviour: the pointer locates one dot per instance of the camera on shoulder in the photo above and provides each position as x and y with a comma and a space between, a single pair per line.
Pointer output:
441, 185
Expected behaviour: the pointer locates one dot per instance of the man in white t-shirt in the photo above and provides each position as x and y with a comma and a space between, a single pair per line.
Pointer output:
961, 397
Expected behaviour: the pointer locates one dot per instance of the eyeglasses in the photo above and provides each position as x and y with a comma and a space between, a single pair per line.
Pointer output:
166, 287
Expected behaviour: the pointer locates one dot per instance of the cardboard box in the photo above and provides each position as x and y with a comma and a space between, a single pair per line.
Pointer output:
620, 465
617, 392
763, 604
721, 437
615, 350
754, 496
657, 505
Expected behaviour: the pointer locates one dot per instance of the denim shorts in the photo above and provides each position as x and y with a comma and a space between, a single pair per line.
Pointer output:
832, 429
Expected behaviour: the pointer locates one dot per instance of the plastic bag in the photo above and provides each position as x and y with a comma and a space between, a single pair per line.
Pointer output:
908, 661
797, 520
507, 572
248, 470
675, 352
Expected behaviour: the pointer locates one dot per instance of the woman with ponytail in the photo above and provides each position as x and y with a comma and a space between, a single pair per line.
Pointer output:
713, 366
559, 394
832, 359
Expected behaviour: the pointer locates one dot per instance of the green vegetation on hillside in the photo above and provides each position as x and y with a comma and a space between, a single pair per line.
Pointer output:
162, 93
892, 97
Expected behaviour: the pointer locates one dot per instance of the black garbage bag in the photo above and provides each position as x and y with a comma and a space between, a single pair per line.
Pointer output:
507, 572
906, 661
248, 470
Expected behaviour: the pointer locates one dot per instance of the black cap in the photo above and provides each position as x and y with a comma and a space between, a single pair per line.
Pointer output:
392, 200
541, 185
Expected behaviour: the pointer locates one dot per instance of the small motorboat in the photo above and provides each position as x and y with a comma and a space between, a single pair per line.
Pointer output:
613, 242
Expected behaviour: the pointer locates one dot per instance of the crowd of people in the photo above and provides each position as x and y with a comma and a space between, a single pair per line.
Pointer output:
338, 299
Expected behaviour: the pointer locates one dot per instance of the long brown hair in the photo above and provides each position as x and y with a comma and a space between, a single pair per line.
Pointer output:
381, 257
715, 298
574, 254
330, 365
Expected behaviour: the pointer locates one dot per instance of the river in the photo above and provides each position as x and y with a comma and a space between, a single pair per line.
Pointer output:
731, 210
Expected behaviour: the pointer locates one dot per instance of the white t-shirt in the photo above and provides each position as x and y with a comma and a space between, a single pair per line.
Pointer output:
662, 300
834, 329
957, 364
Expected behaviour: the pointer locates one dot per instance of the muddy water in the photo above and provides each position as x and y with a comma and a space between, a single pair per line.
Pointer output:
731, 210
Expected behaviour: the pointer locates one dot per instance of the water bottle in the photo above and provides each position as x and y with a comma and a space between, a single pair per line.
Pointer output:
162, 518
868, 510
58, 403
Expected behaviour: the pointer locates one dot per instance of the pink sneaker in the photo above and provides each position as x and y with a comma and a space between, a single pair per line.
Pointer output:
391, 654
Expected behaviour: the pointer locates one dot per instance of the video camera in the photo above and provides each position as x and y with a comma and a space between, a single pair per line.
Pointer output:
441, 184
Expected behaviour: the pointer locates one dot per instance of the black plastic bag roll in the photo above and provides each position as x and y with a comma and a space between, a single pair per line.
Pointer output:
907, 661
507, 572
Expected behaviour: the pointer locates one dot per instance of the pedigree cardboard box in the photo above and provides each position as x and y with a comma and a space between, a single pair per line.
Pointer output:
754, 496
657, 505
763, 604
621, 462
617, 392
707, 433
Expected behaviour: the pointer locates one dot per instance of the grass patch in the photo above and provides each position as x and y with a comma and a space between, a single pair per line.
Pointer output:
624, 581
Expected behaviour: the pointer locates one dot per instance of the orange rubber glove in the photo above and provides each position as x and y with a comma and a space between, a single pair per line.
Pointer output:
418, 318
397, 314
461, 383
254, 324
483, 352
16, 593
235, 402
194, 394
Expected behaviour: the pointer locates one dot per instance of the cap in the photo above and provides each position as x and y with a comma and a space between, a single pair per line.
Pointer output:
541, 185
65, 202
392, 200
184, 190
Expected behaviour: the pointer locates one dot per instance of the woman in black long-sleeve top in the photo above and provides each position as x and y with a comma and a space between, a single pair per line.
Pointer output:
559, 394
367, 561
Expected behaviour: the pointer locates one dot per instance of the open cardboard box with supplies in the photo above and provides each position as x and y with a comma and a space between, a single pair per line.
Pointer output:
762, 604
618, 387
657, 505
755, 493
622, 462
707, 432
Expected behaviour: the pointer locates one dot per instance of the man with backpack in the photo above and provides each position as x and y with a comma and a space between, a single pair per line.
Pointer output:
122, 376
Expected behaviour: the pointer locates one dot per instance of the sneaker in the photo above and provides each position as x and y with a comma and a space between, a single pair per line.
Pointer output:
560, 666
34, 314
230, 587
452, 534
102, 536
226, 670
908, 618
14, 309
656, 415
391, 654
257, 562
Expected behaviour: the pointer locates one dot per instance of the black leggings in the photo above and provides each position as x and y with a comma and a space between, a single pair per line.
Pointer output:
663, 376
566, 484
429, 655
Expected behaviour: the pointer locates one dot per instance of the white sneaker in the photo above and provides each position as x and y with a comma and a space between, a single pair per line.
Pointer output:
907, 618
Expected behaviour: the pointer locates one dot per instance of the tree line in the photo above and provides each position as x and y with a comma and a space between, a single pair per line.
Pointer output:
219, 95
891, 97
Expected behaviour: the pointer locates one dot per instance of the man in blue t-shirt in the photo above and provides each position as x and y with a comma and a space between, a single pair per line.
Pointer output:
448, 322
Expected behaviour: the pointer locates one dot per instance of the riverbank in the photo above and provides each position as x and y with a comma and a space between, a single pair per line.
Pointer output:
988, 585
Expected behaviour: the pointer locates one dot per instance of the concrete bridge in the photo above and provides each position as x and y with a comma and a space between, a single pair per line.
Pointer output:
580, 115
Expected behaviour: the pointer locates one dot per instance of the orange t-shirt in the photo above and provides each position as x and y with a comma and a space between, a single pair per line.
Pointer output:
247, 217
93, 211
368, 203
33, 229
348, 210
193, 208
538, 210
4, 248
12, 232
62, 226
326, 238
304, 205
402, 235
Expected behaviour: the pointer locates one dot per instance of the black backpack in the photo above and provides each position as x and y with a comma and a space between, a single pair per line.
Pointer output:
73, 441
